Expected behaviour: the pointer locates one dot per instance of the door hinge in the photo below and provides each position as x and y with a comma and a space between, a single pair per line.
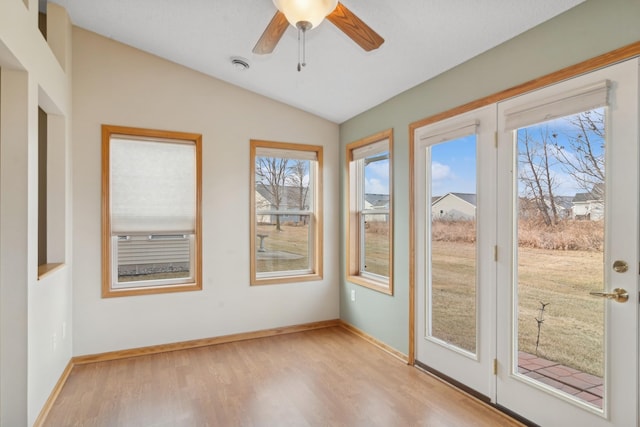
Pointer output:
495, 366
495, 137
495, 253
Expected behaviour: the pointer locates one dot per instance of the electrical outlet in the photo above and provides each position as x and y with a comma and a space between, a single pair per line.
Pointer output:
353, 295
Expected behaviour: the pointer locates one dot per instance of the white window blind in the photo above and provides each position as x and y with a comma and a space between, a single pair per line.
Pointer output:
572, 102
153, 186
279, 153
369, 150
448, 133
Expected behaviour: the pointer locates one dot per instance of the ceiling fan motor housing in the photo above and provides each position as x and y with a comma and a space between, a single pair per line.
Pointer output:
305, 11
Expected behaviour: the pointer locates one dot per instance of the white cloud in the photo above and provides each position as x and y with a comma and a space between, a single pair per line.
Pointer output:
376, 186
379, 169
440, 171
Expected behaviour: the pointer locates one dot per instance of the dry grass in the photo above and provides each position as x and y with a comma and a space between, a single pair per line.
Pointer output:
453, 290
377, 248
568, 235
572, 333
291, 239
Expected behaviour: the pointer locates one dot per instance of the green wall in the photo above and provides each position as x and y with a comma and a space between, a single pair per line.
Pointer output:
588, 30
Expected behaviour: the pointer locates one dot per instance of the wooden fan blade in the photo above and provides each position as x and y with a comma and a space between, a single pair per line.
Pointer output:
272, 34
355, 28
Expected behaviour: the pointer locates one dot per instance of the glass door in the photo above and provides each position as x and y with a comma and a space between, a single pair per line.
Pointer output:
455, 236
567, 302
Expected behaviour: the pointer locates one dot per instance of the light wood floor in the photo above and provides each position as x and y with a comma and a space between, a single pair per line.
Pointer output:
324, 377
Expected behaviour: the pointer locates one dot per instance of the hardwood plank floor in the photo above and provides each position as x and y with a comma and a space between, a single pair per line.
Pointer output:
324, 377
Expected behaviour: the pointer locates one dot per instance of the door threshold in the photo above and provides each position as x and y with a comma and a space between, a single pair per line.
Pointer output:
473, 393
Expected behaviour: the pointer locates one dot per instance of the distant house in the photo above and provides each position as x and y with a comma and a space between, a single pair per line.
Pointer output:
564, 206
373, 202
292, 198
454, 206
589, 206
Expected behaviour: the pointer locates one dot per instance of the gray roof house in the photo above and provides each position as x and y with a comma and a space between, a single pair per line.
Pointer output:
454, 206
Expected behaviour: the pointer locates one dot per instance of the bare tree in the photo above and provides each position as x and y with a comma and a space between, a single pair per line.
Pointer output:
583, 157
271, 174
535, 156
296, 178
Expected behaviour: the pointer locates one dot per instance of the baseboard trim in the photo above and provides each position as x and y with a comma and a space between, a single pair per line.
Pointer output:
365, 336
204, 342
42, 416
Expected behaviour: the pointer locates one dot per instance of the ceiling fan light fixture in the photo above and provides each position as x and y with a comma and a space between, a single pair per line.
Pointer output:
311, 11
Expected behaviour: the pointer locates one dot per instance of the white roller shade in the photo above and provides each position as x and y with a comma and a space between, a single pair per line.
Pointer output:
572, 102
153, 186
286, 154
370, 149
449, 133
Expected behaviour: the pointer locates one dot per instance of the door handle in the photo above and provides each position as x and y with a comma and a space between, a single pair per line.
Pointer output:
618, 295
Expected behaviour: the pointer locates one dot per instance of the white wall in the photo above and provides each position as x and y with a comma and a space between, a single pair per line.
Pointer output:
32, 312
116, 84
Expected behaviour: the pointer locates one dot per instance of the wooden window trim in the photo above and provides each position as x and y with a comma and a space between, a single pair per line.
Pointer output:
353, 238
317, 232
196, 139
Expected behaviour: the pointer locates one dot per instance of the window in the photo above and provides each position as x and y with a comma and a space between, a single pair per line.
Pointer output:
151, 211
286, 206
370, 233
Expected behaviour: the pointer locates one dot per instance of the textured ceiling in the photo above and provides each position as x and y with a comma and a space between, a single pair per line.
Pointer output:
423, 38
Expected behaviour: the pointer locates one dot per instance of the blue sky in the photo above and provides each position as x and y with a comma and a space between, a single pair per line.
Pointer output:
453, 166
561, 130
454, 162
376, 176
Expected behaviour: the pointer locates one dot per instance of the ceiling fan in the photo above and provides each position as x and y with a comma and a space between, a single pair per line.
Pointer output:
307, 14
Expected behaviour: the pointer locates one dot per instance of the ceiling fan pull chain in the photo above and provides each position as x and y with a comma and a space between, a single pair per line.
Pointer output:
302, 26
304, 47
299, 64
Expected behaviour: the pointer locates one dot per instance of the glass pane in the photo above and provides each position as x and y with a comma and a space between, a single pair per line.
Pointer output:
283, 185
166, 258
453, 242
560, 252
282, 243
376, 243
284, 198
375, 217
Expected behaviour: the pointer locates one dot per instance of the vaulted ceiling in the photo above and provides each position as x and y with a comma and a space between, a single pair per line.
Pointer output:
423, 38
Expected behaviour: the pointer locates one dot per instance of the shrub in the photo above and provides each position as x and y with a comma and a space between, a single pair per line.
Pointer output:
568, 235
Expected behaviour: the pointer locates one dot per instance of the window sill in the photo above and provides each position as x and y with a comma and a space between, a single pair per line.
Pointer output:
45, 270
280, 280
150, 290
383, 287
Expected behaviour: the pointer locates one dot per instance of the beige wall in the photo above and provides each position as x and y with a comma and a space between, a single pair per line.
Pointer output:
116, 84
35, 315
